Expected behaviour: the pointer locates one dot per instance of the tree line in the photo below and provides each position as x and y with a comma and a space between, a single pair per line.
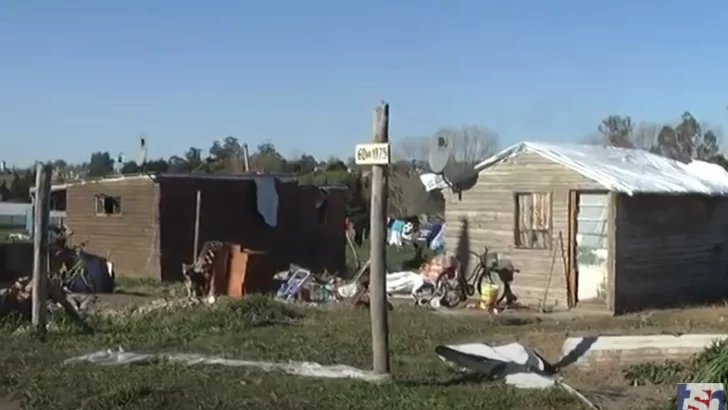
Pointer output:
684, 140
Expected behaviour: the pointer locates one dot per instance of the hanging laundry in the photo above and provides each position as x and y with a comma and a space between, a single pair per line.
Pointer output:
436, 237
396, 229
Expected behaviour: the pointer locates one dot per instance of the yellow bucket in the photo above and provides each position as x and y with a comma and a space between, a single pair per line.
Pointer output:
488, 295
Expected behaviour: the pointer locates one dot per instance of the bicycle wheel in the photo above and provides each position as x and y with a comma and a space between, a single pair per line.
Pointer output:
471, 280
448, 289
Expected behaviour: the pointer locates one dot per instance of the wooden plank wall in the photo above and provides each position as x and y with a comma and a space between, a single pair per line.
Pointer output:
128, 239
489, 210
671, 251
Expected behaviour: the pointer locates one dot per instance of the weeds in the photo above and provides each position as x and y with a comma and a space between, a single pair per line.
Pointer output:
657, 374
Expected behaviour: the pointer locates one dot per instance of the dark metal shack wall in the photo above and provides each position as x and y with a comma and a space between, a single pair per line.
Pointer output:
670, 250
229, 212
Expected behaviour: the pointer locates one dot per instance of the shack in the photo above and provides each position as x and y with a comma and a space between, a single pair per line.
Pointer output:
614, 229
146, 224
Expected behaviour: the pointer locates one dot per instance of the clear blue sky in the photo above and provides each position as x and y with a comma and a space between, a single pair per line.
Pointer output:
78, 76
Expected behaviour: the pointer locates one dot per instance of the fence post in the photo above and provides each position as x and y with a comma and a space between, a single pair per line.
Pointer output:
40, 247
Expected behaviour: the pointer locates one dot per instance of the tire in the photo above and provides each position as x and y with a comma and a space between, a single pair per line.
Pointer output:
451, 296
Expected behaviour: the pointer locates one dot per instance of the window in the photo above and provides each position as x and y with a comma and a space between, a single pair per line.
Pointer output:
107, 205
533, 220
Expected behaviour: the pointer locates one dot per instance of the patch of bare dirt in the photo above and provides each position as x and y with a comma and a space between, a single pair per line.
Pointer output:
6, 403
607, 388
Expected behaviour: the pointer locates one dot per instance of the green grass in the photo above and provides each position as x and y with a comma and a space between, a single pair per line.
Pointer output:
254, 329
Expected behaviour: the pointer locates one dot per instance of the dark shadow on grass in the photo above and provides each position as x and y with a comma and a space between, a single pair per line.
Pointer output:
146, 397
514, 321
130, 293
458, 379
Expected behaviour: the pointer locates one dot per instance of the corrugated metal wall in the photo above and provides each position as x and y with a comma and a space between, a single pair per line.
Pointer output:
670, 251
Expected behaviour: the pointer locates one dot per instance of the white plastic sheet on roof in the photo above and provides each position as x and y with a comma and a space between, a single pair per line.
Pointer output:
629, 171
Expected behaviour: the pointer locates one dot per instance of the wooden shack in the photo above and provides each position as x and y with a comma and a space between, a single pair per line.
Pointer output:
614, 229
146, 224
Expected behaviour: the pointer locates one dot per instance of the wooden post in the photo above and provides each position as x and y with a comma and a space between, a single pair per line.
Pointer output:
246, 158
198, 201
377, 271
40, 246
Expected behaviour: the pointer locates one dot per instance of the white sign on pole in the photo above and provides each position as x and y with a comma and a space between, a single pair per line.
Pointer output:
376, 153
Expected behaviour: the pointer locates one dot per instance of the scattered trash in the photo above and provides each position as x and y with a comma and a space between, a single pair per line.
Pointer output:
514, 363
17, 298
300, 284
309, 369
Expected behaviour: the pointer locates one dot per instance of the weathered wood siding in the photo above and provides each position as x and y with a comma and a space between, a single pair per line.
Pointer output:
670, 250
486, 214
127, 239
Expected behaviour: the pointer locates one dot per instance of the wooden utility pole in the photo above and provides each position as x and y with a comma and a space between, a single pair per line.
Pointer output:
377, 272
198, 202
246, 158
41, 214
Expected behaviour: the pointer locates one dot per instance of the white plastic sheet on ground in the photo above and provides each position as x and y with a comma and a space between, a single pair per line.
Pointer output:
629, 171
309, 369
404, 282
513, 353
522, 367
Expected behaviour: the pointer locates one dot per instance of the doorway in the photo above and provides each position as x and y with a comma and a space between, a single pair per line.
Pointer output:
588, 245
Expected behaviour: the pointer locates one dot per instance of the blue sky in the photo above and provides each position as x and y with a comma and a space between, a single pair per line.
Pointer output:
79, 76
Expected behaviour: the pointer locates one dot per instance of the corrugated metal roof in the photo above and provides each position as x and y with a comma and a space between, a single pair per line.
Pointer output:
152, 176
629, 171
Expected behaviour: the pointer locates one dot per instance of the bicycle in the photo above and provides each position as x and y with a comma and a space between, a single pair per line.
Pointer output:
72, 264
456, 282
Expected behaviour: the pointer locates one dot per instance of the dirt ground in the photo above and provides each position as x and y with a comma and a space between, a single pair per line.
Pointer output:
9, 404
606, 385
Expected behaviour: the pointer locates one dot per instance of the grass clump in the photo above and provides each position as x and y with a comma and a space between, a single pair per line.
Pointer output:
669, 372
711, 366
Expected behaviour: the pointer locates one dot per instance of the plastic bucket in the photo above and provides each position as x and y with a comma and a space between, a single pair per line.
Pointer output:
488, 295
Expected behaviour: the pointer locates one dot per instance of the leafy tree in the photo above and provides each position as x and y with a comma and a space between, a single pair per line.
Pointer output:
131, 167
305, 164
4, 191
686, 141
100, 164
617, 131
20, 186
267, 159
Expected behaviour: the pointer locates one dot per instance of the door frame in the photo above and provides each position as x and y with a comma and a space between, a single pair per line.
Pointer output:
572, 277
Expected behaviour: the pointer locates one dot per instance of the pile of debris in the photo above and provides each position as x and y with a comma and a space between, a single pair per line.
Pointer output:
301, 285
16, 297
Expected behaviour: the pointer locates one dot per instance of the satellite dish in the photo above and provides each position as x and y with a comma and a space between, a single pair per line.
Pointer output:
439, 153
142, 150
464, 180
